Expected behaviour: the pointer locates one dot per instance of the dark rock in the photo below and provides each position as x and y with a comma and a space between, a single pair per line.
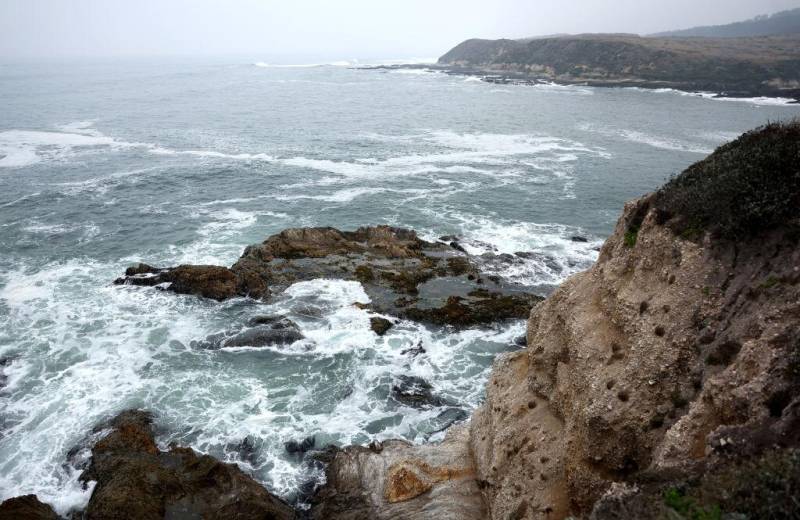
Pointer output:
26, 507
449, 417
458, 247
380, 325
264, 336
402, 275
137, 480
247, 450
276, 322
208, 281
415, 391
142, 269
4, 362
300, 446
415, 351
477, 309
521, 341
577, 238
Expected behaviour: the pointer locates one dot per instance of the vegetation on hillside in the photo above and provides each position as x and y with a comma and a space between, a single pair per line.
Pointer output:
736, 66
784, 22
745, 187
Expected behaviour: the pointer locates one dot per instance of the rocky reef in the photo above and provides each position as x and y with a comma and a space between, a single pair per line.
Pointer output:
433, 282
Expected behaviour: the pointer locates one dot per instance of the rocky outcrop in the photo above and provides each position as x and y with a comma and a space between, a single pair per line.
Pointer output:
134, 479
26, 507
670, 363
403, 275
732, 66
397, 480
208, 281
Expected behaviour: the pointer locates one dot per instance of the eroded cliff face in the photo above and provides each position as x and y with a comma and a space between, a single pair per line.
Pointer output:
668, 358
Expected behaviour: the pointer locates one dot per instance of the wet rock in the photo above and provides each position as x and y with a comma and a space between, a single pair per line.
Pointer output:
458, 247
247, 450
380, 325
521, 341
142, 269
137, 480
4, 362
208, 281
477, 308
578, 238
449, 417
26, 507
298, 447
276, 322
415, 391
414, 351
395, 267
264, 336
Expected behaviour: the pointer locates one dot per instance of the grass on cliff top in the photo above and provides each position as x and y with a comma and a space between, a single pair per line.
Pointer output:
745, 187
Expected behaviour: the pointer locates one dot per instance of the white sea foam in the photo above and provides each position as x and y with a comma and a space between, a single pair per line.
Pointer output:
636, 136
467, 148
212, 154
21, 148
758, 100
555, 255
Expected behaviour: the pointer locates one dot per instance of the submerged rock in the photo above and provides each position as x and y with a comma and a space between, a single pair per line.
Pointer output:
380, 325
300, 446
264, 336
137, 480
265, 331
414, 351
402, 275
26, 507
415, 391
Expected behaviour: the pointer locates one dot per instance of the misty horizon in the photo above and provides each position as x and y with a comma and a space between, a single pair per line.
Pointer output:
316, 31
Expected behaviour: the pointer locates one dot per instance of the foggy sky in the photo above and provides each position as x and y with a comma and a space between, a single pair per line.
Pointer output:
332, 29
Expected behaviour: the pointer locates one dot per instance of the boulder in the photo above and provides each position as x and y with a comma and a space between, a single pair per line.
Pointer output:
264, 336
300, 446
135, 479
380, 325
415, 391
26, 507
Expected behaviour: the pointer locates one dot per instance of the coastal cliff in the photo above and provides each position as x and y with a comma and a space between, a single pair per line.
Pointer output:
757, 66
664, 382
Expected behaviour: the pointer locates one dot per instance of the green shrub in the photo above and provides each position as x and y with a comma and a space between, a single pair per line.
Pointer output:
744, 188
688, 508
630, 237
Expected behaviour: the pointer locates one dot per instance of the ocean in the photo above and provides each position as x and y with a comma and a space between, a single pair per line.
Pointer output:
106, 164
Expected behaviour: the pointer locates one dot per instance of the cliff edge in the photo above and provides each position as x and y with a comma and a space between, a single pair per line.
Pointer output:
664, 382
673, 361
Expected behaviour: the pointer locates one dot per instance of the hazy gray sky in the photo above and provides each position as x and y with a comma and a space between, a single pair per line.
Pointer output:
331, 29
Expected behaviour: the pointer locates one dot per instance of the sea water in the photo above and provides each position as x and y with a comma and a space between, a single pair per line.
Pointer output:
105, 164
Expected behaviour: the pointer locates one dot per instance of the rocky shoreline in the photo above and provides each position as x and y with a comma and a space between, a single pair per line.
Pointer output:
504, 76
663, 382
